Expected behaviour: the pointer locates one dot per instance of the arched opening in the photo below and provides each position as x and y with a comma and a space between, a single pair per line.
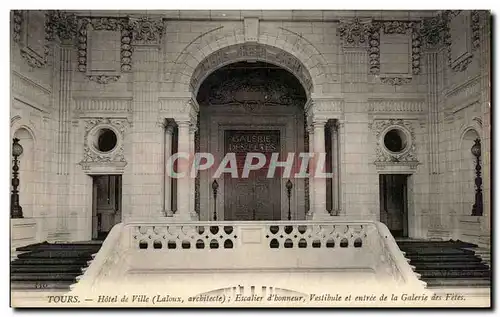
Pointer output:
467, 171
27, 181
251, 107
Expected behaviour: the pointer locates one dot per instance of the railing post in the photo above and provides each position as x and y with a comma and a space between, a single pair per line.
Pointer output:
215, 186
289, 187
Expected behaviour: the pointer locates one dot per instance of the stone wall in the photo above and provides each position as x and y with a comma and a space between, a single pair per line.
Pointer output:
370, 70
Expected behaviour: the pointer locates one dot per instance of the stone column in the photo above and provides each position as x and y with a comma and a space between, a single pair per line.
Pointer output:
169, 129
319, 194
335, 169
192, 130
310, 131
184, 213
65, 195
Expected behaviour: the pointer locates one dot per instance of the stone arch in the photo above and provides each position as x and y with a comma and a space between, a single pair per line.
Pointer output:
212, 44
17, 122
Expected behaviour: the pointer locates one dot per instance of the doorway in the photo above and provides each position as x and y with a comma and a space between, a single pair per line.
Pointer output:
256, 197
106, 204
394, 203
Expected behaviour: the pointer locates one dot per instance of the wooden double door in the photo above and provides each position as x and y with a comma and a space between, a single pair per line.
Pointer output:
257, 197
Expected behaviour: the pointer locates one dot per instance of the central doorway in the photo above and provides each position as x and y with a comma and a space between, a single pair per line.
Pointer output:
250, 106
256, 197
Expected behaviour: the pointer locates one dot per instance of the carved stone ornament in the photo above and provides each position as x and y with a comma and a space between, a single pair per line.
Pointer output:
103, 79
407, 155
63, 25
252, 51
108, 24
395, 27
17, 20
146, 30
433, 30
395, 81
251, 88
20, 36
354, 32
91, 154
436, 30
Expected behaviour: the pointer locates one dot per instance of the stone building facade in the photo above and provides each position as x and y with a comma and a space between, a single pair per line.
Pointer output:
99, 99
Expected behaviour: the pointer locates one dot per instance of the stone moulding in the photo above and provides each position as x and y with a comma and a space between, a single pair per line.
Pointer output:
384, 105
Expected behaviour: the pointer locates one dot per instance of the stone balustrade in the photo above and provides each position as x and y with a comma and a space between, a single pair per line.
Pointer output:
295, 255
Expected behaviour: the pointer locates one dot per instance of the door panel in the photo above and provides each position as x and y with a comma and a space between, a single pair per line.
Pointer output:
256, 197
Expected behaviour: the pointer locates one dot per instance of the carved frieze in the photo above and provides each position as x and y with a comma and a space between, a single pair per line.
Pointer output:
384, 105
395, 81
146, 30
105, 24
407, 154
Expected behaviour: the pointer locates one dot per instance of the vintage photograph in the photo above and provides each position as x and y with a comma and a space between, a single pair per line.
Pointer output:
250, 158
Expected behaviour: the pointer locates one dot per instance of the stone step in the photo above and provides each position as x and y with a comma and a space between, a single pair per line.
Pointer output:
61, 246
37, 276
450, 265
455, 273
446, 258
458, 282
409, 252
40, 285
16, 268
50, 261
66, 254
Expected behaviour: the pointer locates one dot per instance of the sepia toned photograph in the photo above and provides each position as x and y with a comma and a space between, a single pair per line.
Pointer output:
250, 158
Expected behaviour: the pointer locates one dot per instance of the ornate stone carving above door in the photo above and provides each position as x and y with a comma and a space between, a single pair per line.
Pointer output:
103, 150
252, 86
395, 144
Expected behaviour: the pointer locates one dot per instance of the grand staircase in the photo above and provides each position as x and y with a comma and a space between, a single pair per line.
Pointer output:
448, 265
50, 266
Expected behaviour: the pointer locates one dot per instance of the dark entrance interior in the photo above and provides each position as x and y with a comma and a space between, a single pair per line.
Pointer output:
394, 203
256, 197
106, 204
